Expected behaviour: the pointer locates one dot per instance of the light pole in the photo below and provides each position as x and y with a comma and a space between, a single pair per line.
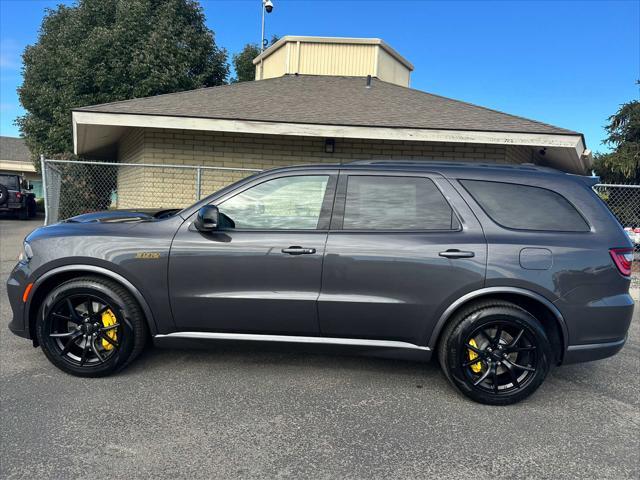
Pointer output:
267, 6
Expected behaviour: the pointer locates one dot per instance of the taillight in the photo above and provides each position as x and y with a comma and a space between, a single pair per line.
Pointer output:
18, 196
623, 258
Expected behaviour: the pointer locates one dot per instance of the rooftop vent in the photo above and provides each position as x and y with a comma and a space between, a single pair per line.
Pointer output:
352, 57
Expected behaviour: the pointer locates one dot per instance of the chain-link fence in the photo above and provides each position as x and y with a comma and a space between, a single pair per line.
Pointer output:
75, 187
624, 203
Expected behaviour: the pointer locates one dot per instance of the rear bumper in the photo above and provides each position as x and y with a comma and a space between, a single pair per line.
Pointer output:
597, 328
11, 206
594, 351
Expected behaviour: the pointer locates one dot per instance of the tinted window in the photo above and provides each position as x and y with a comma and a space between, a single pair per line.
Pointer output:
396, 203
524, 207
10, 181
283, 203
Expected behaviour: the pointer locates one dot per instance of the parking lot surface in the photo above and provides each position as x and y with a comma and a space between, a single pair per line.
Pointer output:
274, 411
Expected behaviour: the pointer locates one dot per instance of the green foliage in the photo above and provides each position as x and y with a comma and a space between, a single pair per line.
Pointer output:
87, 188
622, 164
243, 61
100, 51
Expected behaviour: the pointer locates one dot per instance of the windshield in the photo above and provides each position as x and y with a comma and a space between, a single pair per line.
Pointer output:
10, 181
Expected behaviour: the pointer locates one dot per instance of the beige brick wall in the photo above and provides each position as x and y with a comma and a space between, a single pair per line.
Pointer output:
519, 154
130, 150
172, 187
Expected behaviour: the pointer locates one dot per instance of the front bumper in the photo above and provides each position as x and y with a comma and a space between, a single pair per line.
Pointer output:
16, 284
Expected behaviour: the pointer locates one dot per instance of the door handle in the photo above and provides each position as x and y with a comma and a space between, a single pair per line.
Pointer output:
455, 253
299, 250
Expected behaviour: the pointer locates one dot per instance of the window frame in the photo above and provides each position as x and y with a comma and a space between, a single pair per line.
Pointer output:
589, 227
337, 218
325, 209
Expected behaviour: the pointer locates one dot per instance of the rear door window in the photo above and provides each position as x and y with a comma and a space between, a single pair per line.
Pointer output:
396, 203
524, 207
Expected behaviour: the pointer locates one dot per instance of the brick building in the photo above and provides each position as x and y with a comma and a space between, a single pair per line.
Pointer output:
314, 100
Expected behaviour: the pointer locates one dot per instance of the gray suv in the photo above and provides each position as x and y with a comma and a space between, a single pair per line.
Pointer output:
498, 271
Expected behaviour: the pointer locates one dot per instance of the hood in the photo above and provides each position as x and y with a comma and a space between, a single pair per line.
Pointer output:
123, 216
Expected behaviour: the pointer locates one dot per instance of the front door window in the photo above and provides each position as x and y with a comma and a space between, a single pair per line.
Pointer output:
286, 203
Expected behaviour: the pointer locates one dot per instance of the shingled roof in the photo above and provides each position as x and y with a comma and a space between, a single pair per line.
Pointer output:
329, 100
14, 149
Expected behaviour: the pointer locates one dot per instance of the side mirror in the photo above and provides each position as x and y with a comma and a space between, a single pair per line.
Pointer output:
207, 219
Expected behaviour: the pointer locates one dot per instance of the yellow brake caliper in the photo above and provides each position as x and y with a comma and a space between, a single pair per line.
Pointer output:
476, 367
108, 319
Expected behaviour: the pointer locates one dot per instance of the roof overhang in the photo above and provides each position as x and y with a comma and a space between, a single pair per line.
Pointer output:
16, 166
97, 132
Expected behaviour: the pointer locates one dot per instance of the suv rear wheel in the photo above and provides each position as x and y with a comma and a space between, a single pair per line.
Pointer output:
90, 327
495, 353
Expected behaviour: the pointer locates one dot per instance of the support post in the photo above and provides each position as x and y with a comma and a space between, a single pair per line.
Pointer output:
198, 183
44, 189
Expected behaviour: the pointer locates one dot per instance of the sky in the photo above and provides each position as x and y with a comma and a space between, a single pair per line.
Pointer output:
567, 63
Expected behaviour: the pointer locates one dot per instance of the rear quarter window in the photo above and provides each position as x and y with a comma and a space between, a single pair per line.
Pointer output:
524, 207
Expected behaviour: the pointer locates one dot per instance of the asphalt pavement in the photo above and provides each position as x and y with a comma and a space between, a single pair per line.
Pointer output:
277, 411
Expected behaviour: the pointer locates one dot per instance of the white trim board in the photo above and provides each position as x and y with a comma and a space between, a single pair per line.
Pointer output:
572, 144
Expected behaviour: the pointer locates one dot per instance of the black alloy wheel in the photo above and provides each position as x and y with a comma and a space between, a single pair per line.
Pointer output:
500, 357
495, 353
91, 327
81, 334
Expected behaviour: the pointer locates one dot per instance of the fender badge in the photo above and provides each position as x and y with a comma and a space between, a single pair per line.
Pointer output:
148, 255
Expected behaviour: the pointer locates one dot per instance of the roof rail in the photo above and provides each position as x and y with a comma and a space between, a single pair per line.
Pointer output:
439, 163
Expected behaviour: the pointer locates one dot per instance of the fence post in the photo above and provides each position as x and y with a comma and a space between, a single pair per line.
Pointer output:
44, 189
198, 183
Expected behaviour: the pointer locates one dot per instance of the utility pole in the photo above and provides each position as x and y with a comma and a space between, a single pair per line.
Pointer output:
267, 7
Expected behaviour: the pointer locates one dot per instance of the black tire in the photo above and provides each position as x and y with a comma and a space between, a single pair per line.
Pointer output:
31, 207
71, 330
513, 364
4, 195
23, 213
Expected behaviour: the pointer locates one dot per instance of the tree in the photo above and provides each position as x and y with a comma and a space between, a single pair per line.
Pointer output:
243, 61
622, 164
100, 51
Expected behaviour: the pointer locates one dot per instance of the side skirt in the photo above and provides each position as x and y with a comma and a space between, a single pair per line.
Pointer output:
385, 348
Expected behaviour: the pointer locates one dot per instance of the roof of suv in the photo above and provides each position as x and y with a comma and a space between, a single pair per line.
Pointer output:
432, 166
455, 169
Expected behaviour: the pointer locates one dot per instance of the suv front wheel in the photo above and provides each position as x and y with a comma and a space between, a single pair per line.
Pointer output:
495, 353
91, 327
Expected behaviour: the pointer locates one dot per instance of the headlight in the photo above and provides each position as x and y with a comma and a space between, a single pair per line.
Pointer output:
26, 254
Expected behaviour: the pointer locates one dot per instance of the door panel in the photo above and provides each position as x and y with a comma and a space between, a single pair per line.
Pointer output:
394, 284
253, 279
242, 282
